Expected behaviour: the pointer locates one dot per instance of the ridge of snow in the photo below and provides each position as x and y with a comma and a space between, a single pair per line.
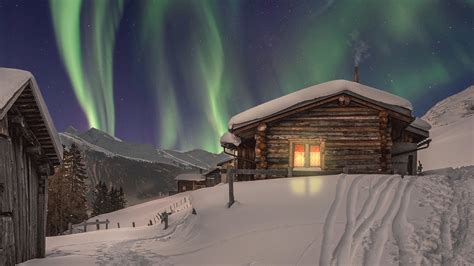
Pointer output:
179, 159
452, 109
94, 147
317, 91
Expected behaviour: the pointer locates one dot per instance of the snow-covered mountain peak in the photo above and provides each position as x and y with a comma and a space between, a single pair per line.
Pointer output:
452, 109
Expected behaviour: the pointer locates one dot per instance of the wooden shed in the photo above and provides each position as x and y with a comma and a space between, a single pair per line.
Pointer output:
29, 149
192, 181
334, 126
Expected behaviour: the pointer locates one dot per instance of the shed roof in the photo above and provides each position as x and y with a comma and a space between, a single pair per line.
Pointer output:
19, 88
191, 177
315, 92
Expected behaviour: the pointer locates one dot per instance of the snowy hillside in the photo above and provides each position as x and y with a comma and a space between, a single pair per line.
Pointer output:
452, 132
354, 219
452, 109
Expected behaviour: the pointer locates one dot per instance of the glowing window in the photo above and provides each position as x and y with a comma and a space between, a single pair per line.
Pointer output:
299, 155
314, 156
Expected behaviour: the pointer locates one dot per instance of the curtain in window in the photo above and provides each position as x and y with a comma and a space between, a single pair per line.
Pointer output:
298, 155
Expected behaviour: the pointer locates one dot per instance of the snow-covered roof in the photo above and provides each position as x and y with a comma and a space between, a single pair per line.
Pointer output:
421, 124
229, 138
322, 90
13, 84
190, 177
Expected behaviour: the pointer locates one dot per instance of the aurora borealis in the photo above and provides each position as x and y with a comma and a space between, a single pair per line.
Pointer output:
172, 72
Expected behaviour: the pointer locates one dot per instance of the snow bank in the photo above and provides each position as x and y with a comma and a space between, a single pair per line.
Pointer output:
318, 91
452, 145
355, 219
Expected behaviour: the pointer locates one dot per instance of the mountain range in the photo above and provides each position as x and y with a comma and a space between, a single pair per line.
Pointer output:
143, 171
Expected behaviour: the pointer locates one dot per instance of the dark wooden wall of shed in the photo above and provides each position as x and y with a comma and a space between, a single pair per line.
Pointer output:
355, 136
22, 202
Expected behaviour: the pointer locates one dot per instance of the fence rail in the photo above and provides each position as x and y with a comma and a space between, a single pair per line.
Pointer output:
84, 224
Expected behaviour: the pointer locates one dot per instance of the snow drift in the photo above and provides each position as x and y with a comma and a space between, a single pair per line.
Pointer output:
452, 132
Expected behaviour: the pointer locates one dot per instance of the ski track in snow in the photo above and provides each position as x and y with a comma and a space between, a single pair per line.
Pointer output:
342, 253
325, 255
365, 224
402, 230
373, 254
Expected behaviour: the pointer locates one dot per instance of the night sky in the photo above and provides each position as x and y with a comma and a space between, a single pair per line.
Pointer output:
171, 73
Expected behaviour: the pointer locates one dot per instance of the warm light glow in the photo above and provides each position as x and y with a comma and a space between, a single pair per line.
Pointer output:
298, 155
314, 156
306, 185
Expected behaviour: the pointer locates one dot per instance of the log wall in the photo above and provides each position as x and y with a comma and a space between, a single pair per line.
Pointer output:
22, 201
355, 136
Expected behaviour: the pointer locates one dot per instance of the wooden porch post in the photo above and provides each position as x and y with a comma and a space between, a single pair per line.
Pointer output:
230, 176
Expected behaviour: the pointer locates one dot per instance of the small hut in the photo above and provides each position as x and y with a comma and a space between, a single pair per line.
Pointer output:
29, 149
192, 181
335, 126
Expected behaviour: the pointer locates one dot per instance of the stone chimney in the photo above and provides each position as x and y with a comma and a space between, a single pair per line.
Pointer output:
356, 74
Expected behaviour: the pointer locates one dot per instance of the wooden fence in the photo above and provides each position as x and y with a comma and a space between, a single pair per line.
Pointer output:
84, 224
175, 207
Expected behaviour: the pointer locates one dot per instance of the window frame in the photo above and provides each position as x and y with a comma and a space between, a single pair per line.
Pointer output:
307, 143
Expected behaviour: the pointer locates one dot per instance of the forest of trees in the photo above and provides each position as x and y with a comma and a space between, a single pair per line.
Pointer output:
107, 200
67, 194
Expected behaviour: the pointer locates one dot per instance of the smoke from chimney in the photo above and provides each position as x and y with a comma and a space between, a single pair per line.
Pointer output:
356, 74
360, 50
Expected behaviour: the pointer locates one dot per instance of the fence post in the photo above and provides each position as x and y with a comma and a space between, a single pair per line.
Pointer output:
85, 226
69, 225
118, 225
106, 224
97, 225
230, 176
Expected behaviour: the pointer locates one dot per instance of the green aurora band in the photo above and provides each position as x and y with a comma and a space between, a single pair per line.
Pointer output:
90, 72
221, 63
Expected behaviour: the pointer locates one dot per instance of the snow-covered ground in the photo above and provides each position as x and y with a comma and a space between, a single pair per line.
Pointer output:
452, 145
341, 219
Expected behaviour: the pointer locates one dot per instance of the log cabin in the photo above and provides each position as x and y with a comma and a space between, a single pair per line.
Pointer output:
337, 126
29, 149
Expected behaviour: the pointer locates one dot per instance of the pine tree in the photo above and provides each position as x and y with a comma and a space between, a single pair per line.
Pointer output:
122, 200
78, 186
67, 202
101, 199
